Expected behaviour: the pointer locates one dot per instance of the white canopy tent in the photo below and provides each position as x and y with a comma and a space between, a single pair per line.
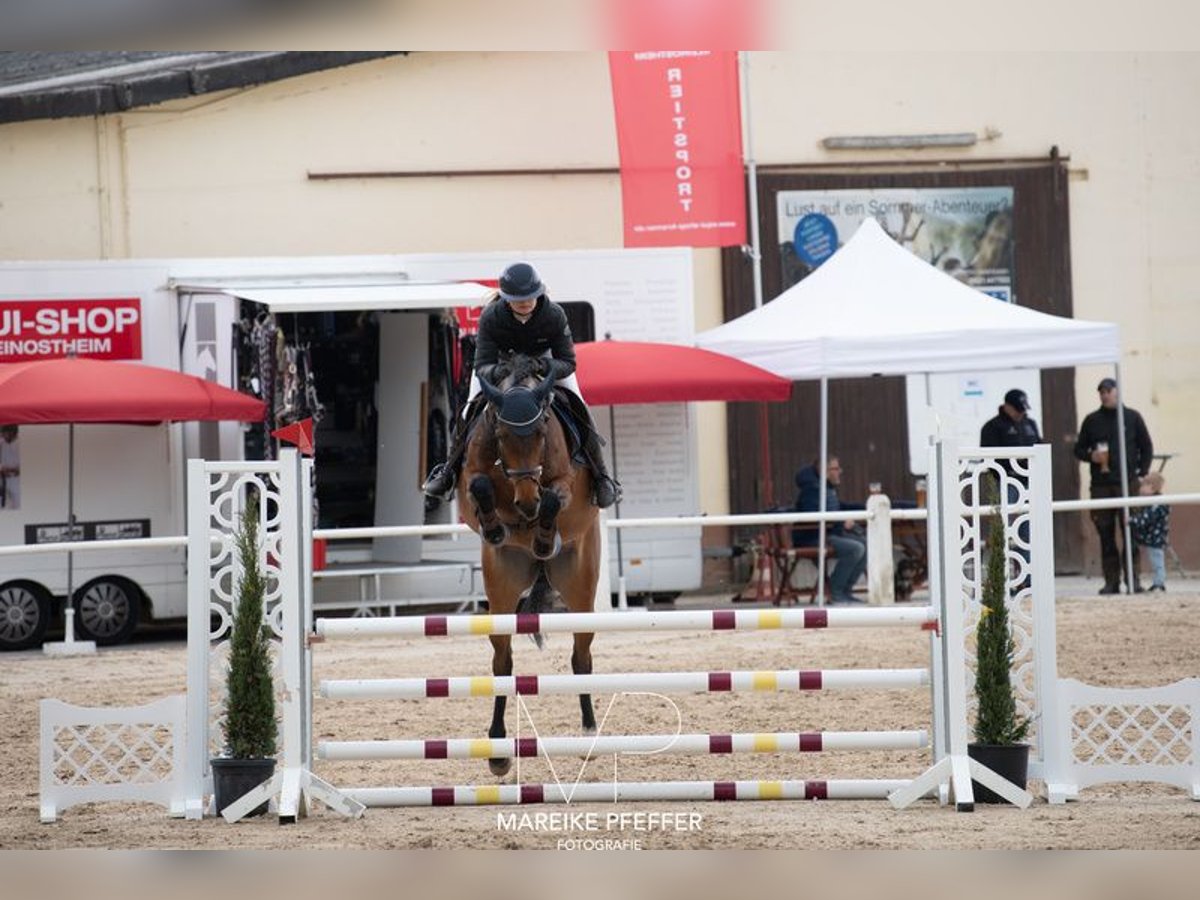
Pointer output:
874, 308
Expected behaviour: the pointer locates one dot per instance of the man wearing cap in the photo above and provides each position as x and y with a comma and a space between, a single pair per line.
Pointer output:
522, 319
1099, 444
1011, 426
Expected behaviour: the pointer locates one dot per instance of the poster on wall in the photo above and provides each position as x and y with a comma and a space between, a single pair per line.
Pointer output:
967, 232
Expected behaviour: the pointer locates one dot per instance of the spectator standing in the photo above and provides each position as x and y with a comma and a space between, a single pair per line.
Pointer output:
1099, 445
1012, 426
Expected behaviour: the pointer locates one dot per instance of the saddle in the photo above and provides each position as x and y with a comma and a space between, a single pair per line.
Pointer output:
576, 421
572, 414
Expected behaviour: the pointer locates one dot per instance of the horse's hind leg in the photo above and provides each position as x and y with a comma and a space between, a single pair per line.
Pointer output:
505, 575
502, 664
581, 664
574, 574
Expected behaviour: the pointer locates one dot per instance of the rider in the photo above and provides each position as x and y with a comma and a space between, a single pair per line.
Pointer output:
523, 319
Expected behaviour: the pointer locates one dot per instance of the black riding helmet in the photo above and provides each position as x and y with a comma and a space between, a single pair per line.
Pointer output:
519, 282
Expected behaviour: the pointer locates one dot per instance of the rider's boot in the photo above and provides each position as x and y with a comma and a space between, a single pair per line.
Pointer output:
443, 478
606, 491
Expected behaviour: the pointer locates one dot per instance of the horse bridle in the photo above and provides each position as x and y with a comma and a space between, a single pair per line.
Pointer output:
535, 472
542, 395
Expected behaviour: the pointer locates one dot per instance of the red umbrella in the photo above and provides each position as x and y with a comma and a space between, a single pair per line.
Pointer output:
69, 391
617, 372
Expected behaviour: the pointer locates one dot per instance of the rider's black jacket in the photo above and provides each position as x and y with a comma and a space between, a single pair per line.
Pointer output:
546, 331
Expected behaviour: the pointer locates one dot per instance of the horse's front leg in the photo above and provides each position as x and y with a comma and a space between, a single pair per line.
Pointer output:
502, 665
546, 540
483, 492
581, 664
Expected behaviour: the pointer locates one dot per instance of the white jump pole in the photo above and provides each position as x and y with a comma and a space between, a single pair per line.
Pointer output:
607, 683
606, 745
625, 791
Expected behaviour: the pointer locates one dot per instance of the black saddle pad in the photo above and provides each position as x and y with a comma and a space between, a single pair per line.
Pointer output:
574, 430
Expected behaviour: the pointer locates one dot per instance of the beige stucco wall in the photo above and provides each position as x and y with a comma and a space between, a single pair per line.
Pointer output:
227, 175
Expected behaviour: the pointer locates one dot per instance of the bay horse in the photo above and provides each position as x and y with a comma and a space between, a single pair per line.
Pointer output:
532, 506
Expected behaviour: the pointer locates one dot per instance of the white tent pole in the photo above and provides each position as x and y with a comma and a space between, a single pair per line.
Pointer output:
755, 253
69, 608
824, 489
1130, 575
751, 178
622, 596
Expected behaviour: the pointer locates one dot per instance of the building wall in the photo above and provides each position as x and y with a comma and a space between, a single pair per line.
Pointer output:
228, 175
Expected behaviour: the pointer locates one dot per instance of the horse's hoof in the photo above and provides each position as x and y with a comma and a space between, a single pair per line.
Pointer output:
500, 766
588, 732
541, 551
539, 639
495, 535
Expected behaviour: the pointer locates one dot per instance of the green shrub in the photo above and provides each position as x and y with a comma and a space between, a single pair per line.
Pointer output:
250, 727
996, 720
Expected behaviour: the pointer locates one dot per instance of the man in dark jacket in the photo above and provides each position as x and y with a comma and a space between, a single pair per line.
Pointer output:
847, 542
1099, 444
522, 319
1011, 426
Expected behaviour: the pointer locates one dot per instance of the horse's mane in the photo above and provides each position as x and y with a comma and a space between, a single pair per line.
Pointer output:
516, 369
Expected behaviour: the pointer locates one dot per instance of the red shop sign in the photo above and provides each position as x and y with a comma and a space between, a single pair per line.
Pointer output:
109, 328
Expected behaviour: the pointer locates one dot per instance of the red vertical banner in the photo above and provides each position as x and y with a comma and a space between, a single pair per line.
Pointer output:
679, 131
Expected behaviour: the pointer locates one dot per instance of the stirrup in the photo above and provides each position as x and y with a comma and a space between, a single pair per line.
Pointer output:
435, 485
609, 486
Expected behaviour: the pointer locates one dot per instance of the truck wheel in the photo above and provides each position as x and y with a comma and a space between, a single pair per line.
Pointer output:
106, 610
24, 615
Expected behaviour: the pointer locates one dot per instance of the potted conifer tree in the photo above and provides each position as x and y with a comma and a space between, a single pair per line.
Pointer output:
999, 731
249, 728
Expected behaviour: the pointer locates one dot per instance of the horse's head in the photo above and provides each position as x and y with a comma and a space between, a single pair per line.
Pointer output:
520, 404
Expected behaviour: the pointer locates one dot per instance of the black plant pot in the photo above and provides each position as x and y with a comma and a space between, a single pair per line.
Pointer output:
1009, 761
234, 778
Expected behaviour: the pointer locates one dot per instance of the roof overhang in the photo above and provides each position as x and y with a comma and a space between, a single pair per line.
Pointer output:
325, 297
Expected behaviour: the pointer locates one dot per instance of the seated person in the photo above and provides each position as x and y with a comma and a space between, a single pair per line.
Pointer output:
845, 538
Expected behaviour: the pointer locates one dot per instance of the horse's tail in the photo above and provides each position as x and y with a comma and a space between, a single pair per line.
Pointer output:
538, 599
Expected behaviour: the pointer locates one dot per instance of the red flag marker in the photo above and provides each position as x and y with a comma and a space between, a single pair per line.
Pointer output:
298, 433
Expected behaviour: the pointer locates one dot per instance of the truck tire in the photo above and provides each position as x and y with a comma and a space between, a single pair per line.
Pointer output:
25, 611
106, 610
